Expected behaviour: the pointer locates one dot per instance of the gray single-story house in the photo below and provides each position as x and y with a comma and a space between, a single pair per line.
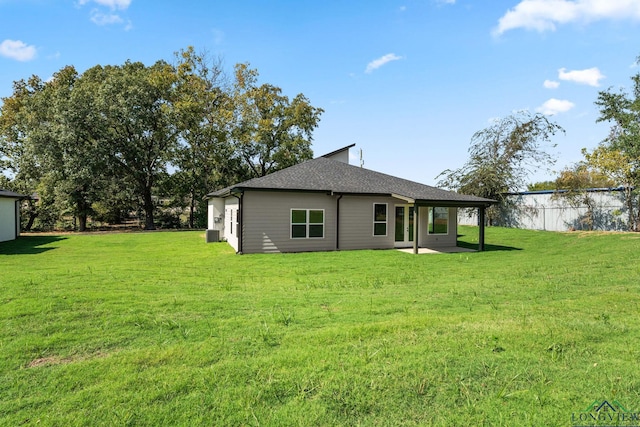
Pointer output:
9, 215
326, 204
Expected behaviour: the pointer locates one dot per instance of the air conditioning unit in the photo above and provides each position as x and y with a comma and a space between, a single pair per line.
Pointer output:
212, 236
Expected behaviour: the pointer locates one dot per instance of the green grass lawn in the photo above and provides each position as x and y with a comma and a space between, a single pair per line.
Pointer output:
162, 329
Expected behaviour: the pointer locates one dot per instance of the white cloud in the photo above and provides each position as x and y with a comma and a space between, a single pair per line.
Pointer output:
590, 76
555, 106
103, 16
544, 15
218, 36
100, 18
18, 50
113, 4
377, 63
551, 84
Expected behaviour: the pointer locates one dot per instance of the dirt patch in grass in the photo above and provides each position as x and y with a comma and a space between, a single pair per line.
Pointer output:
101, 231
56, 360
582, 233
42, 361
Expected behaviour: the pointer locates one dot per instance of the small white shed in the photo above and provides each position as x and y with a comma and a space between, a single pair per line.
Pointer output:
9, 215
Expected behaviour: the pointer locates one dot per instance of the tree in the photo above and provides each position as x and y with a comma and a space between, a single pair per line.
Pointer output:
76, 168
205, 158
52, 147
541, 186
87, 142
574, 182
622, 169
500, 159
270, 131
134, 121
18, 158
618, 157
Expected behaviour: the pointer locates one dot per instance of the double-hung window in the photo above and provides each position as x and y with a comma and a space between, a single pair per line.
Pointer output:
379, 219
307, 223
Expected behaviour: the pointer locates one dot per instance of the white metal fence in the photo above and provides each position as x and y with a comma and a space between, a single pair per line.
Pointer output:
545, 210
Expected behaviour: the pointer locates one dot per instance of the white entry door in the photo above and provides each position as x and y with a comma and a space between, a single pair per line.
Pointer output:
404, 226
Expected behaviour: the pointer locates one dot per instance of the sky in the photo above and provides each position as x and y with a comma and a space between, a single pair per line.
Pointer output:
408, 81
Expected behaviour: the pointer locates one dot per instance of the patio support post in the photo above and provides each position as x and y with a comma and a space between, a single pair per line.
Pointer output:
415, 228
481, 225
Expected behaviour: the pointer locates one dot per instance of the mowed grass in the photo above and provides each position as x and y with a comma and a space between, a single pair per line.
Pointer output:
155, 329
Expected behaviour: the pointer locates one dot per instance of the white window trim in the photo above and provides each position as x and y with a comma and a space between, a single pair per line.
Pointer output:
386, 221
308, 223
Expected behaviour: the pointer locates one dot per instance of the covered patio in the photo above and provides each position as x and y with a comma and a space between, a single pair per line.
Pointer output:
422, 229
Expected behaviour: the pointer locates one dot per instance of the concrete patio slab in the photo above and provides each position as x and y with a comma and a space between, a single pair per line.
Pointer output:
443, 250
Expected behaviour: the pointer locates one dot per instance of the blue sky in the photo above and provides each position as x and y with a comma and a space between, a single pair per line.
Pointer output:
408, 81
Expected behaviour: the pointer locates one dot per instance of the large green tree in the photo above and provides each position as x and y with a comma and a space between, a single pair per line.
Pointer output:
271, 132
75, 163
18, 161
501, 157
87, 143
618, 156
205, 158
53, 144
134, 123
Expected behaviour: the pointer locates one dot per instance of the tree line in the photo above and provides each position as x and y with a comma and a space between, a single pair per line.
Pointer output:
502, 156
118, 139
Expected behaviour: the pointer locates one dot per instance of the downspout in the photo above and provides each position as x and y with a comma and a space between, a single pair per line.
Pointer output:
338, 222
239, 228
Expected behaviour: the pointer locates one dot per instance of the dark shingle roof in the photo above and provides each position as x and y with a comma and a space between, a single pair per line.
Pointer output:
11, 194
331, 176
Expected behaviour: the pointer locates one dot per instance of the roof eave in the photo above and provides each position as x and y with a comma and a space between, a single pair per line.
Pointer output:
15, 196
401, 197
456, 203
238, 190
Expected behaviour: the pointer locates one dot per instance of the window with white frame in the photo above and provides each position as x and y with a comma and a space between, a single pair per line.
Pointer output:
307, 223
379, 219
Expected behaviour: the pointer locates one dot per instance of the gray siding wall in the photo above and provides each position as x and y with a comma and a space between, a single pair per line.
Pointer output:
438, 240
267, 221
356, 223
